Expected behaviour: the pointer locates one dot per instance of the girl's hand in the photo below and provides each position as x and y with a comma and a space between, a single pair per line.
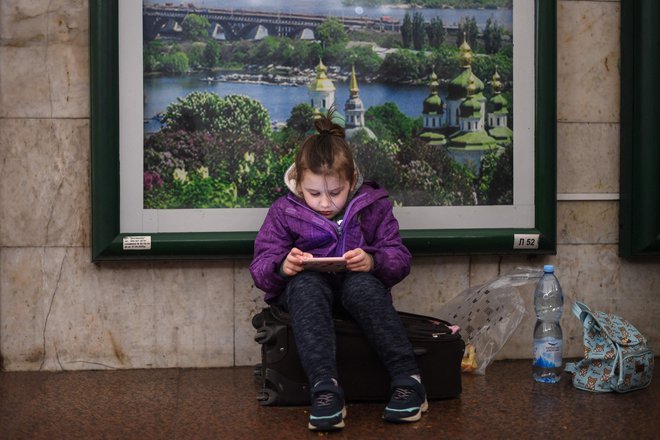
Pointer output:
357, 260
293, 263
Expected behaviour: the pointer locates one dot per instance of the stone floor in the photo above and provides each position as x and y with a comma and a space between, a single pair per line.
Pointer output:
221, 404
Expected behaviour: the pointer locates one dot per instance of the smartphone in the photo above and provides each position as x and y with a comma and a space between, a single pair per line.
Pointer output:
325, 264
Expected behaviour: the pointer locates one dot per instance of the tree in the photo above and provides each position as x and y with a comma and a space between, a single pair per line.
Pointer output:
436, 32
331, 32
398, 126
400, 66
212, 54
300, 54
301, 119
365, 60
195, 55
244, 115
175, 63
418, 31
206, 111
407, 32
469, 28
195, 27
266, 51
492, 36
499, 190
376, 159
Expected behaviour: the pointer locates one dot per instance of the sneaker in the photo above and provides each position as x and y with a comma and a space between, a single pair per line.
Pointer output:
407, 400
328, 409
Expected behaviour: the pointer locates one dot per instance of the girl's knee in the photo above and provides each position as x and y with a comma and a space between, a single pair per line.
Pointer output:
361, 281
307, 285
362, 288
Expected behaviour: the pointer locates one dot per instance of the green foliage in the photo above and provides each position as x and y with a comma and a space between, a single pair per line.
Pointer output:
436, 32
195, 27
492, 36
204, 170
245, 116
484, 67
377, 160
418, 31
366, 61
195, 55
211, 54
469, 28
331, 32
175, 63
206, 111
199, 111
301, 120
166, 151
445, 62
407, 31
195, 191
424, 184
268, 49
496, 186
402, 66
389, 122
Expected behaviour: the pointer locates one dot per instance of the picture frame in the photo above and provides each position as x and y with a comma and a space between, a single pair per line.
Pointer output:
639, 213
110, 242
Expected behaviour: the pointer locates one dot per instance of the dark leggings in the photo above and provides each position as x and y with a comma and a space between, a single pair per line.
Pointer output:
310, 298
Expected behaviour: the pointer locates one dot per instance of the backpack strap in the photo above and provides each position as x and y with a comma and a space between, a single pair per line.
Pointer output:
580, 310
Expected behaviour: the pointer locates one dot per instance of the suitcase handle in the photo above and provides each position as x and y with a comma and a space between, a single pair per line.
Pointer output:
264, 335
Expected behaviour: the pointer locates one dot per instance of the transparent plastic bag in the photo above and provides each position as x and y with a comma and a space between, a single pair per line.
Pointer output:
488, 314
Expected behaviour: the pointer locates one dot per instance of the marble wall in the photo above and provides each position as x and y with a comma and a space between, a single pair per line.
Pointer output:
58, 311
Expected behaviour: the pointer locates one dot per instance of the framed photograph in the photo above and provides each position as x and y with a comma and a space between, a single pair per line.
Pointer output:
640, 156
197, 109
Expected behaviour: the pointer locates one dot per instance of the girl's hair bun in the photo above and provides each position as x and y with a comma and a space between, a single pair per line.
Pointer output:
325, 126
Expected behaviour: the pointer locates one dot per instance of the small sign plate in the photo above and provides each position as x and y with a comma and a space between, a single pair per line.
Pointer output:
525, 241
137, 243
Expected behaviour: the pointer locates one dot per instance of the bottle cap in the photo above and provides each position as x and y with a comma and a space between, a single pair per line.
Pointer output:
548, 268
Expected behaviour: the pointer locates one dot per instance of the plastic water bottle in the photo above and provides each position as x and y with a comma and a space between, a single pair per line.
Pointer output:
548, 303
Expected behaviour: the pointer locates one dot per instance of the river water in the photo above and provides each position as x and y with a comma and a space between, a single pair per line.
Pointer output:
277, 99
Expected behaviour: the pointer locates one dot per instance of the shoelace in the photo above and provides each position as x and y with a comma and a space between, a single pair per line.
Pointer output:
325, 399
402, 393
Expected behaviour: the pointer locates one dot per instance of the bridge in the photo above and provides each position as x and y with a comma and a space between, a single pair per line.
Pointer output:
238, 23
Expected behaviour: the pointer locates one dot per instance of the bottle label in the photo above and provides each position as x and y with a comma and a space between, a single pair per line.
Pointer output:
547, 353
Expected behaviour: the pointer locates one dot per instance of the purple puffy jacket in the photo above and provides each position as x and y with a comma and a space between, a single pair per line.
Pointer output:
368, 224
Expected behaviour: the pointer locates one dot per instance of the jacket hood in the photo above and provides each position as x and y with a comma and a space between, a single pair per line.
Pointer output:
291, 182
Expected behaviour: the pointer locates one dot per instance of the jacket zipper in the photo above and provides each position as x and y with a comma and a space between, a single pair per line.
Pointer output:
342, 238
337, 228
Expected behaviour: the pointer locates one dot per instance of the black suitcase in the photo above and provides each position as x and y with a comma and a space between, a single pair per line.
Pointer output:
361, 374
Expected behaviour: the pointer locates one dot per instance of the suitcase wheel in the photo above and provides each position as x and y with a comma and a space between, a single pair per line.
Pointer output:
266, 397
258, 320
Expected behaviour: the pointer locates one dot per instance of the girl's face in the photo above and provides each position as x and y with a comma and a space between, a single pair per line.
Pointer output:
326, 195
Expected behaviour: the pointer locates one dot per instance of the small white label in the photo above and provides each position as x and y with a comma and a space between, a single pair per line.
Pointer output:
137, 243
548, 353
525, 241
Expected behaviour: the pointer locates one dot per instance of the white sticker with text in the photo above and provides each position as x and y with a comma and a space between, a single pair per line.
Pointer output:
137, 243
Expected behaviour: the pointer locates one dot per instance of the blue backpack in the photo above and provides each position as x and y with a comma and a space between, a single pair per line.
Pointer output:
616, 357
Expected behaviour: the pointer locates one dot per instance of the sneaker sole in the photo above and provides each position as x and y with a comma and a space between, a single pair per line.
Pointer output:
334, 427
413, 418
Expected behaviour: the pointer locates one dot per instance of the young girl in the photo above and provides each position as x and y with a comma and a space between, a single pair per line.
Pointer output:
331, 212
